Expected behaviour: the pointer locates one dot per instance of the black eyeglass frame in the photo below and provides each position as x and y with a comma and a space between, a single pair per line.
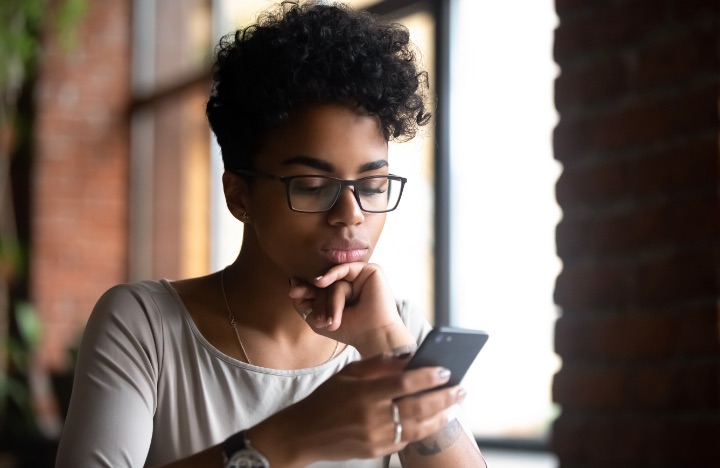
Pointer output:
343, 183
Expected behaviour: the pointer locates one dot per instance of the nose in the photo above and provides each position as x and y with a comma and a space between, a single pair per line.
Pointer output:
346, 209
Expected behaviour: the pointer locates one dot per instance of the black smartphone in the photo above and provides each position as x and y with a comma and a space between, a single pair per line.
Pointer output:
449, 347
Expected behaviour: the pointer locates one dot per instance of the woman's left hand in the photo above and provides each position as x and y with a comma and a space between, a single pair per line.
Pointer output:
352, 303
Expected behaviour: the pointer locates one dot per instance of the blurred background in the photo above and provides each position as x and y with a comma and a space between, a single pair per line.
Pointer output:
565, 199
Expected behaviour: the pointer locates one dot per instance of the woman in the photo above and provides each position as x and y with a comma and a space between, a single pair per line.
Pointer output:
293, 355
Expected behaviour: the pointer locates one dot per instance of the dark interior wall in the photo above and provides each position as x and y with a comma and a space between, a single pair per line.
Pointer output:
638, 137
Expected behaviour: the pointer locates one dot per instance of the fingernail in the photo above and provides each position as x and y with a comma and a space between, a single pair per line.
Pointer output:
444, 374
402, 356
460, 395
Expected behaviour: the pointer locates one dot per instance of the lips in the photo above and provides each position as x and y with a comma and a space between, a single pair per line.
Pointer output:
345, 251
345, 256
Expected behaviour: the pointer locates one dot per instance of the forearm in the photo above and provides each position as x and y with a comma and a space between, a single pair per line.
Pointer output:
269, 437
273, 438
450, 446
208, 458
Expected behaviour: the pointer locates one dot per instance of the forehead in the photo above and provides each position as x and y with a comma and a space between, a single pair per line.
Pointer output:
341, 135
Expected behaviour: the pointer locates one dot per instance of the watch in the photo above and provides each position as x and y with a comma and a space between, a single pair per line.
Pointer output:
238, 453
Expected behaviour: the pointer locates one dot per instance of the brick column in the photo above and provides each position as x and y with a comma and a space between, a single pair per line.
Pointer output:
79, 184
638, 138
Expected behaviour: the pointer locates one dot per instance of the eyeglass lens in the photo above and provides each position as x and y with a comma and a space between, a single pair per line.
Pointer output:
313, 194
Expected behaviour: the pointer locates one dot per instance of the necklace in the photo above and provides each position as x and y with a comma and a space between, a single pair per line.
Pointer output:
233, 323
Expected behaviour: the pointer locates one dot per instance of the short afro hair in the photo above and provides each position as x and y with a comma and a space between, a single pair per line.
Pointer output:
299, 54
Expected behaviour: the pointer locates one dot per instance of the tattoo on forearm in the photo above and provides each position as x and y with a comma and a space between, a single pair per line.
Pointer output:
436, 443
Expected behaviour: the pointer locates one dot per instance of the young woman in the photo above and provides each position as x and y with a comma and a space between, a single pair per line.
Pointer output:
293, 355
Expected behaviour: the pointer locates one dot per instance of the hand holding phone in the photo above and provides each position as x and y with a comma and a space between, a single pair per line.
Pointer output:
450, 347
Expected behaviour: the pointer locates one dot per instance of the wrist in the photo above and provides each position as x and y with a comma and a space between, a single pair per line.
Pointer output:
273, 438
238, 451
395, 339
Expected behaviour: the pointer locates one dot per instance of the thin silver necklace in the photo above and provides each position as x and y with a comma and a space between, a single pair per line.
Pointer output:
233, 323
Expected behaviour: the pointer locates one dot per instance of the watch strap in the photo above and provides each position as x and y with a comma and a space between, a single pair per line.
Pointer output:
237, 448
234, 443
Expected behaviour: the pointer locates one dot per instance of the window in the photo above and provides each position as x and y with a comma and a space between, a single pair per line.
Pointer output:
503, 262
169, 163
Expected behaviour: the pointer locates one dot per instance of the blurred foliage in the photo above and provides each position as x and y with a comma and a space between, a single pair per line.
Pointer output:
19, 348
22, 24
25, 26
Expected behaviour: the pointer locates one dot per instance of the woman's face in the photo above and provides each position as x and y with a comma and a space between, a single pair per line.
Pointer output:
332, 140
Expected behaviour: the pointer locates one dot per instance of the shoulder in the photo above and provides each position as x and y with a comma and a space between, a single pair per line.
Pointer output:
138, 291
130, 309
130, 298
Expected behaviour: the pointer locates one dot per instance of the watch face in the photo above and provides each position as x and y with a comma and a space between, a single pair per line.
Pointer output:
246, 459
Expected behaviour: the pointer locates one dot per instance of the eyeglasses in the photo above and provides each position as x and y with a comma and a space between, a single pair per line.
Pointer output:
315, 194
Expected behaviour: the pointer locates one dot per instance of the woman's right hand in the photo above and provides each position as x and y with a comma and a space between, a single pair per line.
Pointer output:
352, 303
351, 414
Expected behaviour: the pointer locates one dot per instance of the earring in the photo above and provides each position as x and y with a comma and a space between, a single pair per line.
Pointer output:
245, 217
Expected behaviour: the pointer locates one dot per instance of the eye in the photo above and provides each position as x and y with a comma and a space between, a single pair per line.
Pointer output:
311, 186
370, 187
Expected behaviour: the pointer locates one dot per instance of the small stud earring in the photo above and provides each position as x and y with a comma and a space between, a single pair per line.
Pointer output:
245, 217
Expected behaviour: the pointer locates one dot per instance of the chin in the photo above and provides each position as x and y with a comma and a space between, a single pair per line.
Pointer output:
308, 273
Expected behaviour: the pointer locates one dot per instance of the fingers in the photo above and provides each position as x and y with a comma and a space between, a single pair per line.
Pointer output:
382, 365
307, 302
321, 308
420, 412
415, 381
391, 381
418, 415
353, 412
338, 295
302, 296
353, 304
415, 418
422, 407
345, 271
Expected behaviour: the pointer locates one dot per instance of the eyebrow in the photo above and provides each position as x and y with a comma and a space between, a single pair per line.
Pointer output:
316, 163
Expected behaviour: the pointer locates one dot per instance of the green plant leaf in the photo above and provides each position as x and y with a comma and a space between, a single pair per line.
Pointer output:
11, 254
28, 324
17, 354
70, 13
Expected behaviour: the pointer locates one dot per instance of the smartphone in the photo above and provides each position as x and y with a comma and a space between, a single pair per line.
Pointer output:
449, 347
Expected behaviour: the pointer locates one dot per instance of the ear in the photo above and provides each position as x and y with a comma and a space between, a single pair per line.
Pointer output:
237, 195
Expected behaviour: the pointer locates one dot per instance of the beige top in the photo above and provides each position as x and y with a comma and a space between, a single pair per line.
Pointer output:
150, 389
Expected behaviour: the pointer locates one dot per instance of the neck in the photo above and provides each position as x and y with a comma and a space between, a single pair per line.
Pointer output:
272, 333
257, 292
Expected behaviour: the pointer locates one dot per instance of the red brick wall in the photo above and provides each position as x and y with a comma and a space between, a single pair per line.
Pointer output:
638, 138
79, 193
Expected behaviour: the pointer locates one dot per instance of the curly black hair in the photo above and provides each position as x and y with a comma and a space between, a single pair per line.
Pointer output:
300, 54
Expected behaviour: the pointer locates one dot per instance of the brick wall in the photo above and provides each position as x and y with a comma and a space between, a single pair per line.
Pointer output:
79, 193
638, 138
